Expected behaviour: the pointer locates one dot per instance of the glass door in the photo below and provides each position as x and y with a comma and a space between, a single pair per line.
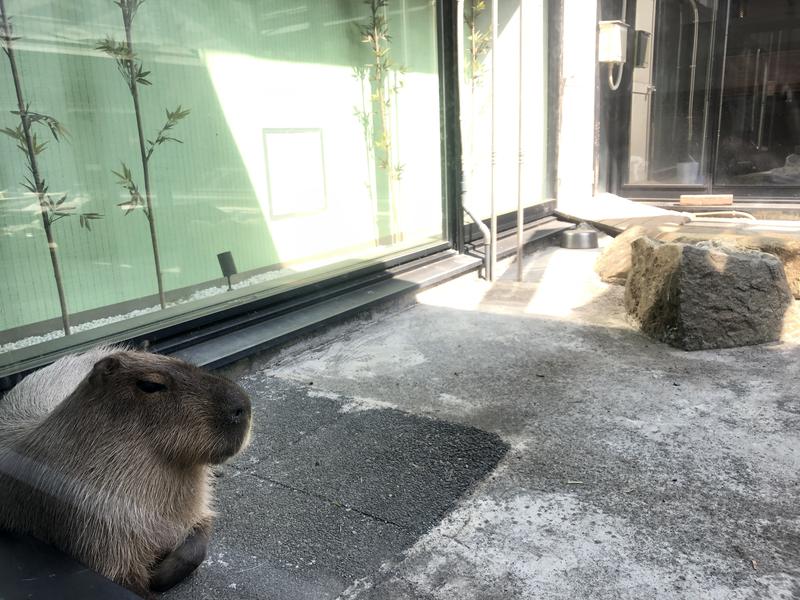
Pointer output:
671, 92
715, 98
758, 141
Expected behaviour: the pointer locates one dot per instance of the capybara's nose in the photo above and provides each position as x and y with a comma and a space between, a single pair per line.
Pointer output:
237, 406
237, 415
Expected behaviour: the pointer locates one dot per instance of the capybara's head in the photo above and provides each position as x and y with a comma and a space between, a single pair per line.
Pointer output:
185, 414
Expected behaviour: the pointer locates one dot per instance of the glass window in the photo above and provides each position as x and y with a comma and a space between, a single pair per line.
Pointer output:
147, 149
476, 105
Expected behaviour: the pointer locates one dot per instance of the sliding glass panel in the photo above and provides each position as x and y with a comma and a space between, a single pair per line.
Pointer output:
759, 141
149, 149
476, 105
671, 91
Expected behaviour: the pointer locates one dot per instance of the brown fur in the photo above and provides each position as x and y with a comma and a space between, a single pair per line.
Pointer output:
115, 474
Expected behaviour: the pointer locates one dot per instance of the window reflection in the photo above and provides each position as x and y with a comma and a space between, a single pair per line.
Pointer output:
760, 133
671, 92
718, 103
267, 131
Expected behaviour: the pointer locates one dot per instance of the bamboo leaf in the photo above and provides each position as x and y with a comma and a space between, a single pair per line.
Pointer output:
179, 113
117, 50
15, 134
55, 127
37, 147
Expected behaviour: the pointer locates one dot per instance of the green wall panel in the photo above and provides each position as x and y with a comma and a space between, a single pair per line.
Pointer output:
242, 67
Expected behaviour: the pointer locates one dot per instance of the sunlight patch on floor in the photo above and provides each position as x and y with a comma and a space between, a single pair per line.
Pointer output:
555, 283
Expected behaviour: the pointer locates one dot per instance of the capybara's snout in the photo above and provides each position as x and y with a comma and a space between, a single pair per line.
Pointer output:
234, 416
236, 406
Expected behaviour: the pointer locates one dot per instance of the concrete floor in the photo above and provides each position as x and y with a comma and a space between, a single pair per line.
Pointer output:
634, 471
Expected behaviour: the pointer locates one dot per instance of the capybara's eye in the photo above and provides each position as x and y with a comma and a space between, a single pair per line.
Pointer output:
150, 387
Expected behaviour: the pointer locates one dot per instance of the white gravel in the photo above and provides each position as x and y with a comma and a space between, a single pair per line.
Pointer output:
194, 296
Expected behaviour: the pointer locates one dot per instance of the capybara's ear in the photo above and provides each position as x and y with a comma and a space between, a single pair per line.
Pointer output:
103, 368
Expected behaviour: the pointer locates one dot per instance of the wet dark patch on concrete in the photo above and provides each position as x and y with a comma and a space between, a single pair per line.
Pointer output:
325, 495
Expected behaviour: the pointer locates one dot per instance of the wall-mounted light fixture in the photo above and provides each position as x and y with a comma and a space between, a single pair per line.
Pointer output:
612, 49
612, 46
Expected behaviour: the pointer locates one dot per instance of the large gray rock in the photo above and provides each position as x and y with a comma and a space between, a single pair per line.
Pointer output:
784, 245
705, 296
614, 262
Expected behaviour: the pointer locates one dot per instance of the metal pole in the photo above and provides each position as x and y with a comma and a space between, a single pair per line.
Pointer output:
692, 71
755, 94
767, 64
722, 84
493, 221
677, 70
520, 146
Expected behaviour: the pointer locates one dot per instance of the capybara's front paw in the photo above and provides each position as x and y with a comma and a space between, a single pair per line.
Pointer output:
181, 562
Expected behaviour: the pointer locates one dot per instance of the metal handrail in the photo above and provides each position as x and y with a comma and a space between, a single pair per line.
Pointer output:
487, 242
493, 219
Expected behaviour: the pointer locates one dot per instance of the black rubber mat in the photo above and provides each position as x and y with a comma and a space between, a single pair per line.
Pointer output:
328, 491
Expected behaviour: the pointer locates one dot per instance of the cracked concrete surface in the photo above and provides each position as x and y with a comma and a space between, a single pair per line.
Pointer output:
635, 470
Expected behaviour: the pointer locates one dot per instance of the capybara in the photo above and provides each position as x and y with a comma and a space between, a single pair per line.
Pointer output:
107, 455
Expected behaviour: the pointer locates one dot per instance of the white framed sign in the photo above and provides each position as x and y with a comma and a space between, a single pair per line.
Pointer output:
295, 165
